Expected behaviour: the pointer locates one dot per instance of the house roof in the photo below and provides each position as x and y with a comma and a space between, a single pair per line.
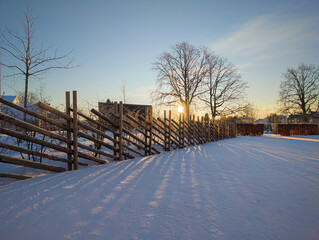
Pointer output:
9, 98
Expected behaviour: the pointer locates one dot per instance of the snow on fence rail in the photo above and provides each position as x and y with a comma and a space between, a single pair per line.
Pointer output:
75, 138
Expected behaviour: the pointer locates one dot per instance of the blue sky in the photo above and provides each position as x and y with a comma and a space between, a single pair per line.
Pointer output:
116, 41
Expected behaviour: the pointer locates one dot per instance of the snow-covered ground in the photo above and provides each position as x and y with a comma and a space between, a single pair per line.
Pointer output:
242, 188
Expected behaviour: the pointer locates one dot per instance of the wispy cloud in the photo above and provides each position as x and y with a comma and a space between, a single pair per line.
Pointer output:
268, 36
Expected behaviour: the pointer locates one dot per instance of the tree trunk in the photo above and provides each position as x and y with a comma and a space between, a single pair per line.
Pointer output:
304, 115
187, 110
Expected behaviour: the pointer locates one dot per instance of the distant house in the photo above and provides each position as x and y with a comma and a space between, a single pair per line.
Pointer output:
313, 117
261, 121
282, 119
12, 99
245, 119
132, 109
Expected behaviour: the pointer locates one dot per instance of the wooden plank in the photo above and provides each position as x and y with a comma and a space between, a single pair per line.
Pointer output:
15, 176
27, 151
54, 111
102, 126
134, 143
75, 130
166, 126
31, 164
115, 135
29, 126
151, 130
93, 139
95, 159
102, 116
68, 133
34, 114
135, 121
157, 142
92, 129
165, 130
193, 132
34, 140
169, 129
120, 124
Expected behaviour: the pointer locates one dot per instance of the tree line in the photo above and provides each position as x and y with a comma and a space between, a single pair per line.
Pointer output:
186, 75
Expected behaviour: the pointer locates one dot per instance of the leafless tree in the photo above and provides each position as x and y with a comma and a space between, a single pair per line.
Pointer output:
35, 96
180, 75
124, 92
299, 90
250, 110
224, 91
26, 59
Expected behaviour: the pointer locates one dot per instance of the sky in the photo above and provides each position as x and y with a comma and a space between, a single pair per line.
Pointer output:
117, 41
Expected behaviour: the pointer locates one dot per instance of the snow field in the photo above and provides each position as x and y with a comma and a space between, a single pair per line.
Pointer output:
242, 188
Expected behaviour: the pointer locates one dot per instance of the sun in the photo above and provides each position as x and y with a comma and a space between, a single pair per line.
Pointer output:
180, 109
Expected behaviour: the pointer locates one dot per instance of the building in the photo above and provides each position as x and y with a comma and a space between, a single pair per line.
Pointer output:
313, 117
245, 119
12, 99
133, 109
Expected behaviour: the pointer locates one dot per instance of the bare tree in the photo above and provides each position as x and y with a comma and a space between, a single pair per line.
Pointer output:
35, 96
250, 110
24, 58
124, 92
180, 74
299, 90
224, 92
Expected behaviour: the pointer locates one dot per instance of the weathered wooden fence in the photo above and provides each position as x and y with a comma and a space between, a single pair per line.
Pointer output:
250, 129
79, 137
296, 129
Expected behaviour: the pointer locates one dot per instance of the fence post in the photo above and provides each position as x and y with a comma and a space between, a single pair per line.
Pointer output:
120, 131
169, 129
165, 132
75, 130
209, 129
183, 130
150, 129
68, 133
180, 131
194, 130
235, 129
115, 135
199, 130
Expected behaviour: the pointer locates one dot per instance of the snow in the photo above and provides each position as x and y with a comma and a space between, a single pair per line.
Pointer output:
241, 188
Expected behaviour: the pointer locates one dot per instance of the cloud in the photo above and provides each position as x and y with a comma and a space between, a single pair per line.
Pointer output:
268, 36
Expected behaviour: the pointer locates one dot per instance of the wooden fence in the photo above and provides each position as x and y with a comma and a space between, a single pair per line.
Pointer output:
296, 129
250, 129
81, 137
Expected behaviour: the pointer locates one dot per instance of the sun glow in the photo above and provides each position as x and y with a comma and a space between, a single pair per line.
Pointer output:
180, 109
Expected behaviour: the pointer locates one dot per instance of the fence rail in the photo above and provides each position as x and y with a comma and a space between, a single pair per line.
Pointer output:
74, 138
